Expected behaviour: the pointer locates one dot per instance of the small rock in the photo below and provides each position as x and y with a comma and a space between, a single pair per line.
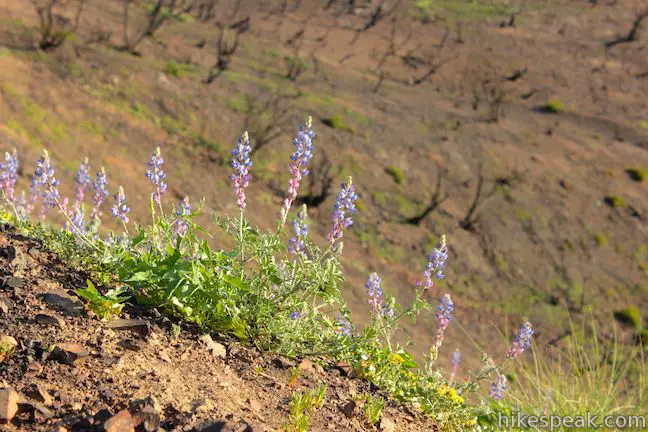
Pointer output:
309, 365
68, 353
347, 369
8, 253
387, 425
41, 412
218, 350
121, 422
164, 356
102, 415
131, 344
349, 409
8, 404
254, 404
50, 320
225, 426
64, 304
4, 307
147, 415
282, 362
38, 393
140, 326
14, 282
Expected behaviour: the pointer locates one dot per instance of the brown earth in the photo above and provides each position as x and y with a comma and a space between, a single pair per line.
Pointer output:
547, 245
73, 372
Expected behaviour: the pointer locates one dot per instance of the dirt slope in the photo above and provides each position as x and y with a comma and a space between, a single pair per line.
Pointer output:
73, 372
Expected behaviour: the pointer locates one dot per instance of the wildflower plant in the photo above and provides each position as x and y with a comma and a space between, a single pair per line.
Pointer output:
274, 288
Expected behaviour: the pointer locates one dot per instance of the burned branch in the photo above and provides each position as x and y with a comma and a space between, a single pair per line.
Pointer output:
319, 185
226, 45
157, 14
632, 34
472, 216
55, 28
435, 201
265, 117
376, 15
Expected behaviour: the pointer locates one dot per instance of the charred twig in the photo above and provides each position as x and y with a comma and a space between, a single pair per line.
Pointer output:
226, 46
632, 34
471, 217
437, 199
54, 28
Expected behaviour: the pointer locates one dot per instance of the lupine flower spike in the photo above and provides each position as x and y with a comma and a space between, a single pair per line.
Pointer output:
100, 193
444, 315
498, 388
45, 177
344, 210
9, 175
296, 244
435, 266
454, 365
374, 292
156, 174
303, 143
241, 164
83, 181
119, 209
522, 341
344, 325
181, 223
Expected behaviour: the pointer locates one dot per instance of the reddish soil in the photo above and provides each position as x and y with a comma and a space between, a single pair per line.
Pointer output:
73, 372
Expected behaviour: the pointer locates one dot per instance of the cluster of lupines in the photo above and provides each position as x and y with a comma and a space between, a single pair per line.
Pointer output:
435, 265
120, 209
157, 175
522, 341
443, 316
454, 365
303, 143
241, 163
344, 325
83, 181
45, 177
498, 388
9, 175
181, 224
375, 294
344, 210
300, 227
100, 186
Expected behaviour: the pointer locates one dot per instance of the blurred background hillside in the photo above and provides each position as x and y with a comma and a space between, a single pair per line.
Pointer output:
517, 128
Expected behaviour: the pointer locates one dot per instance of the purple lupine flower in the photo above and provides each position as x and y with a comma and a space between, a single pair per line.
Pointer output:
21, 206
9, 174
344, 325
374, 292
435, 265
444, 315
157, 175
454, 364
78, 220
303, 143
344, 209
387, 311
241, 164
498, 388
522, 341
83, 181
34, 193
120, 210
181, 224
296, 244
100, 193
295, 315
45, 177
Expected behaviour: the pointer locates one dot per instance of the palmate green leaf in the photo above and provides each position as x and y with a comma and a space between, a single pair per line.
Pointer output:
236, 282
103, 306
141, 276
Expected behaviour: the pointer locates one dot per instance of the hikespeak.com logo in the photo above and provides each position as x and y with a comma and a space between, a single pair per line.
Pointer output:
587, 421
